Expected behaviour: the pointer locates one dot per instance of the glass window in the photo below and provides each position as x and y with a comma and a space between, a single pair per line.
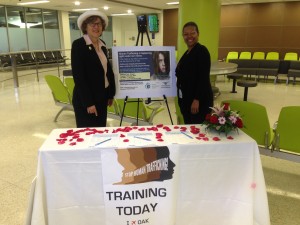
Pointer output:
34, 24
74, 30
52, 37
3, 31
16, 28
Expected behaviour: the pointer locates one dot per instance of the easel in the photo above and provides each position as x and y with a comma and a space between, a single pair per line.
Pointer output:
142, 28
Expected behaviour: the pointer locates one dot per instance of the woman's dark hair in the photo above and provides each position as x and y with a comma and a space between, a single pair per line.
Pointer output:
191, 24
91, 19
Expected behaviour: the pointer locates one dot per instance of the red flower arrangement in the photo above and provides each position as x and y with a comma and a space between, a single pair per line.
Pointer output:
222, 119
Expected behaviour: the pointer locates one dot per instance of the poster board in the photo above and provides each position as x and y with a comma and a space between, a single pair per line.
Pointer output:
144, 71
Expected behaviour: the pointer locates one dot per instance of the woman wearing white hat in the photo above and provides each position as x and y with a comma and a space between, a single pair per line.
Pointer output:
94, 79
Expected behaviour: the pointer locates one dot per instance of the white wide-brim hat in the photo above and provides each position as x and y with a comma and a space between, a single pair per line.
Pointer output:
90, 13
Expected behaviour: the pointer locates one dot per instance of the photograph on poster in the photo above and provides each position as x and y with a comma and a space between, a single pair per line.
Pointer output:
144, 71
161, 65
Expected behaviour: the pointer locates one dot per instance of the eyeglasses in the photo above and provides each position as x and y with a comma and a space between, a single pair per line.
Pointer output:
95, 24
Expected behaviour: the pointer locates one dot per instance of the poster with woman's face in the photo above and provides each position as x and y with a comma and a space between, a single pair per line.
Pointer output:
144, 71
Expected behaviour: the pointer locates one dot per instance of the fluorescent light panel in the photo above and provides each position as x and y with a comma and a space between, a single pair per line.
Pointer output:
122, 14
78, 10
33, 3
173, 3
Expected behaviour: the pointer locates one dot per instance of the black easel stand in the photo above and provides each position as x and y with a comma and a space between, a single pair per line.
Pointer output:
124, 106
138, 37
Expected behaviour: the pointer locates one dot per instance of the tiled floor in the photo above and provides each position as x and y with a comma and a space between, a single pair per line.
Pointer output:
26, 118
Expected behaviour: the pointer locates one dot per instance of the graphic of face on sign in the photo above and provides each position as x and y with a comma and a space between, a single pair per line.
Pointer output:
145, 164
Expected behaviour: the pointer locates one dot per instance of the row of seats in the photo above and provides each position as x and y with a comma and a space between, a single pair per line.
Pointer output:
267, 68
261, 55
62, 95
32, 58
283, 135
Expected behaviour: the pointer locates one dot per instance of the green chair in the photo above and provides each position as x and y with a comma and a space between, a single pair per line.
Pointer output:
232, 55
147, 112
255, 119
292, 56
287, 130
60, 94
272, 56
69, 82
258, 55
179, 116
245, 55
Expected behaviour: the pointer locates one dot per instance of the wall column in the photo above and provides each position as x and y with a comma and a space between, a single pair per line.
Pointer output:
65, 36
206, 13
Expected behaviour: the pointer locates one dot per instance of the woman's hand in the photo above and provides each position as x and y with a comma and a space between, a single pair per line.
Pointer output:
92, 110
110, 102
195, 106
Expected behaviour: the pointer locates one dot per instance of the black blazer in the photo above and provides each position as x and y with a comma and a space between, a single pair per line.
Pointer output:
193, 75
88, 75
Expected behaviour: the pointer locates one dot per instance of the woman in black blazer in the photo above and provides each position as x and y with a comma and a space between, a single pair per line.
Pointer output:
195, 96
94, 79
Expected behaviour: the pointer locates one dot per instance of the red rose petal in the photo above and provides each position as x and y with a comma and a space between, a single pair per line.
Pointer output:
195, 131
158, 134
205, 139
141, 129
63, 135
176, 127
122, 135
230, 137
202, 135
125, 140
183, 128
216, 139
73, 143
159, 125
160, 139
80, 139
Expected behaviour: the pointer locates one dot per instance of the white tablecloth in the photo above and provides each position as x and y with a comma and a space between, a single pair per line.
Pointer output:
220, 179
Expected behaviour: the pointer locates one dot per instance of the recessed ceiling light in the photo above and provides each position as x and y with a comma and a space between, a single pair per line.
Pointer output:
32, 3
173, 3
77, 3
129, 11
105, 7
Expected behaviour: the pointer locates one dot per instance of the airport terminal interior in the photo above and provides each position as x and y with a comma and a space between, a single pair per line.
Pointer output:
27, 115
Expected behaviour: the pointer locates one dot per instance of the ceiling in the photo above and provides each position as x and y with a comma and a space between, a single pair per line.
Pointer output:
118, 6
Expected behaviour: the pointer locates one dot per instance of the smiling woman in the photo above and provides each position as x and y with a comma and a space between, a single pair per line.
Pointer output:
93, 76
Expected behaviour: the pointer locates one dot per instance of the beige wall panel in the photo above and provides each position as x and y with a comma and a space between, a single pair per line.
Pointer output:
263, 36
291, 37
170, 25
232, 36
266, 14
292, 14
234, 15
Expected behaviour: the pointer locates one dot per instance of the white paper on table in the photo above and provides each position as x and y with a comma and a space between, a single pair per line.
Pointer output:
179, 137
141, 139
104, 140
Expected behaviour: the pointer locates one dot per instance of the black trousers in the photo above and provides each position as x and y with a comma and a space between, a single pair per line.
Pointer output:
84, 119
189, 118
